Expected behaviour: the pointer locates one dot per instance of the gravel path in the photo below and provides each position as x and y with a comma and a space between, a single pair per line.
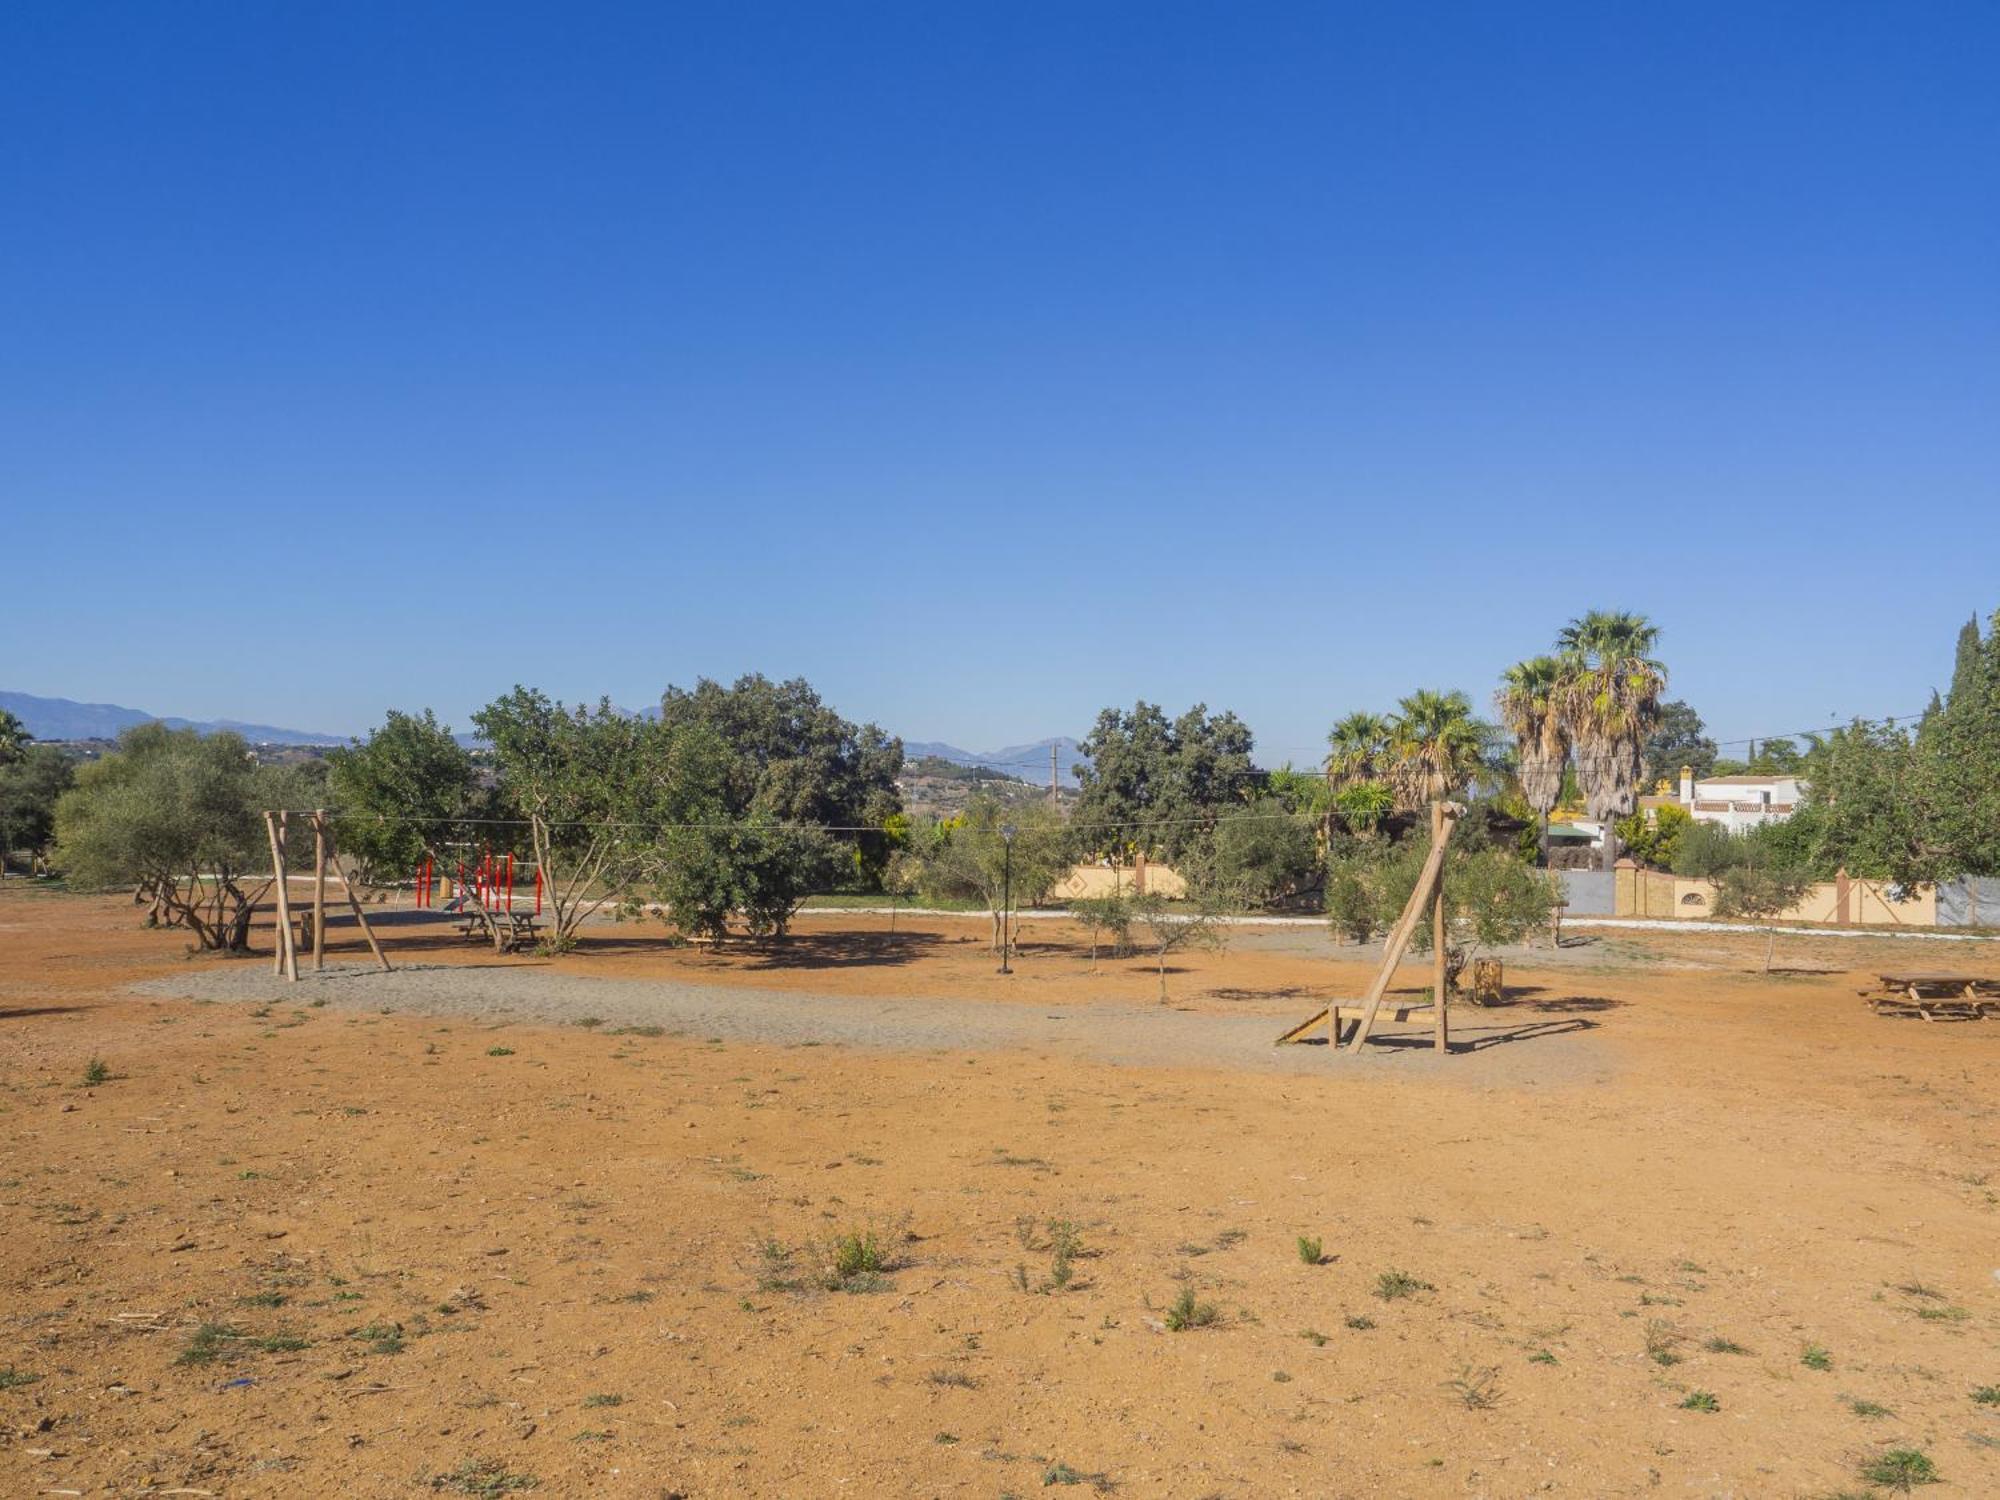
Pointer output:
1516, 1049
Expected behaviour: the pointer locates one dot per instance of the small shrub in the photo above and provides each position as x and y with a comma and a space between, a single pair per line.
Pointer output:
1477, 1390
483, 1476
1310, 1251
1862, 1408
1900, 1469
1186, 1312
1392, 1286
1660, 1341
855, 1261
1987, 1395
11, 1378
207, 1344
1724, 1346
1541, 1357
99, 1071
1314, 1337
1360, 1322
1816, 1358
956, 1380
604, 1400
1701, 1401
499, 1051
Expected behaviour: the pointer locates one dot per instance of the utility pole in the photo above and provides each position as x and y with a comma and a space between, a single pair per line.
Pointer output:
1055, 798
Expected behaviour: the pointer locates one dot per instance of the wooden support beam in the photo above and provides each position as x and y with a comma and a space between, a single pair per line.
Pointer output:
319, 891
333, 858
1444, 815
286, 961
1440, 971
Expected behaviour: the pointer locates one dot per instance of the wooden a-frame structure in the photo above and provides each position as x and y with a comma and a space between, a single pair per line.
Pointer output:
287, 959
1428, 892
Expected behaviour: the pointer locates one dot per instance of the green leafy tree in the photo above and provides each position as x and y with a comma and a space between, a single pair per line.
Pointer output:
1358, 748
1679, 738
1364, 806
969, 857
755, 868
599, 793
1105, 917
1260, 855
1436, 747
1863, 809
1180, 926
1611, 705
1955, 774
30, 787
14, 738
793, 759
1158, 786
1492, 898
1757, 891
408, 792
179, 816
1655, 840
1531, 709
1706, 850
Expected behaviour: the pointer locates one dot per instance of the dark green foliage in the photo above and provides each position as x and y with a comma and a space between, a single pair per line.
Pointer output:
1186, 1313
791, 758
1701, 1401
1679, 738
975, 857
31, 783
1258, 856
1900, 1469
1655, 840
406, 792
180, 816
1156, 786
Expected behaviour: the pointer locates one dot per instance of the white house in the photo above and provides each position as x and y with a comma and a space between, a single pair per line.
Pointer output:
1740, 803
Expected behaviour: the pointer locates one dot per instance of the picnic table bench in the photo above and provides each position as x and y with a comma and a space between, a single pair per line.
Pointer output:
1935, 996
519, 931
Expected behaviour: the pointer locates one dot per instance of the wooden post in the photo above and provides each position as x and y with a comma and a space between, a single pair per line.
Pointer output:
333, 858
1399, 940
1439, 970
319, 890
287, 960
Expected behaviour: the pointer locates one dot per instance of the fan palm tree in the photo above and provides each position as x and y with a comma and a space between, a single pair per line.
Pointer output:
1610, 704
1530, 701
1357, 748
1436, 746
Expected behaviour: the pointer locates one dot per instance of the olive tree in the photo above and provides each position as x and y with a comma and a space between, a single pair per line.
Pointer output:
1177, 926
969, 858
408, 792
600, 796
179, 817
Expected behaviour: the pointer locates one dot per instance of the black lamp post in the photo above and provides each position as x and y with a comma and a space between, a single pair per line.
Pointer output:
1006, 892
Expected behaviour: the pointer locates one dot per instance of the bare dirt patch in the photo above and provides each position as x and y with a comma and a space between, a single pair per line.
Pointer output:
854, 1217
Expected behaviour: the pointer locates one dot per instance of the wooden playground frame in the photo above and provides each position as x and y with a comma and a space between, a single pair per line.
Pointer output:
1364, 1013
286, 961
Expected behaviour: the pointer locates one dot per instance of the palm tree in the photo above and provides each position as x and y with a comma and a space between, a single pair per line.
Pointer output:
1610, 704
1436, 746
1530, 701
1357, 748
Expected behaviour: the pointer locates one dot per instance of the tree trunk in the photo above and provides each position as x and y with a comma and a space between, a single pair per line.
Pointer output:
1163, 973
1610, 843
1542, 840
1770, 947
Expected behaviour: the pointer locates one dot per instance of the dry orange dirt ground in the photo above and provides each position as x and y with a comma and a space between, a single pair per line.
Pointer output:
315, 1249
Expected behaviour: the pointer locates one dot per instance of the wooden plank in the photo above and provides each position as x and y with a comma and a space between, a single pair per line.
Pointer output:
287, 959
319, 891
1406, 926
1439, 972
333, 857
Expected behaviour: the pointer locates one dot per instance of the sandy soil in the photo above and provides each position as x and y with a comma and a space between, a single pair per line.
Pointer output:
443, 1237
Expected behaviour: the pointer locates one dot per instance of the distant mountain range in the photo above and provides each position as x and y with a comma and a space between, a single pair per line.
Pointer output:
1029, 762
63, 719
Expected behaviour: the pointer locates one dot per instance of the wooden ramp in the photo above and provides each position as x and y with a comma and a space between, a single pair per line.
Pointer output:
1428, 891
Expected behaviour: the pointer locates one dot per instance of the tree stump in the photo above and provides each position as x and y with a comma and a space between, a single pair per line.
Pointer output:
1489, 986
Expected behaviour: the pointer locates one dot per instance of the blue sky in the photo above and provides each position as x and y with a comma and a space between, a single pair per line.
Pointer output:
988, 364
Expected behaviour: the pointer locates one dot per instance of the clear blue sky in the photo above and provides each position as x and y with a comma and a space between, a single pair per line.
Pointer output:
990, 363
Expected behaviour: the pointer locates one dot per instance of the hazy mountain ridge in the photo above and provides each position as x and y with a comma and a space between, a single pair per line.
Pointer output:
66, 719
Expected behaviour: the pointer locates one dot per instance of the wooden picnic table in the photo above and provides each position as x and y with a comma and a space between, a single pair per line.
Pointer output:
1935, 996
